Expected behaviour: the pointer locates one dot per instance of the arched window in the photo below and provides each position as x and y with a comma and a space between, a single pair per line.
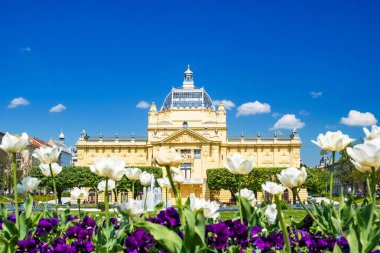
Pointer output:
185, 125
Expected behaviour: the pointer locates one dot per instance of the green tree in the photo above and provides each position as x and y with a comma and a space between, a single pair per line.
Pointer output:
316, 180
70, 176
223, 179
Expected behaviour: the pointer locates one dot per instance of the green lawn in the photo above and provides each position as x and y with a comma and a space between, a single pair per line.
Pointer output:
298, 215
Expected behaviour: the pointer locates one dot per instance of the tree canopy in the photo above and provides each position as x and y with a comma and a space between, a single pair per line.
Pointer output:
222, 179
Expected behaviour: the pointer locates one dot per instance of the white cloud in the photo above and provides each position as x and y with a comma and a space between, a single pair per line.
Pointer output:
330, 126
228, 104
288, 121
316, 94
25, 49
58, 108
17, 102
304, 113
142, 105
252, 108
276, 114
356, 118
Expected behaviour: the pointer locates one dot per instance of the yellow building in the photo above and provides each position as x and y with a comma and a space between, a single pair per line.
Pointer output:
189, 122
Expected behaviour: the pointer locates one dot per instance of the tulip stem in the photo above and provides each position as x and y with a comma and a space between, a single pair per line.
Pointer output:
14, 166
281, 219
166, 197
239, 199
177, 198
146, 195
369, 191
374, 185
46, 200
373, 206
78, 202
133, 189
106, 205
54, 188
332, 176
169, 174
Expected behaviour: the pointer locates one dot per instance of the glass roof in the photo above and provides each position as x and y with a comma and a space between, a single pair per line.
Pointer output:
188, 96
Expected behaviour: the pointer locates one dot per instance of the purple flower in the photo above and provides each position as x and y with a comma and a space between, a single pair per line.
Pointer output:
73, 232
169, 218
238, 231
261, 243
28, 245
217, 235
88, 222
255, 230
44, 227
114, 222
12, 218
139, 242
83, 246
59, 246
71, 218
85, 234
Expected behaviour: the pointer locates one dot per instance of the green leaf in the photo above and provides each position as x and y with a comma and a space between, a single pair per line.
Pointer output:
337, 249
165, 237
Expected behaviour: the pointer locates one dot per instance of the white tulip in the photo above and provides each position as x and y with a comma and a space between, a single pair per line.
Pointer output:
292, 177
366, 154
248, 195
14, 144
28, 184
133, 174
164, 183
236, 164
210, 208
361, 168
271, 213
78, 193
146, 179
112, 168
196, 203
131, 208
55, 168
273, 188
47, 155
375, 133
333, 141
102, 185
178, 178
168, 157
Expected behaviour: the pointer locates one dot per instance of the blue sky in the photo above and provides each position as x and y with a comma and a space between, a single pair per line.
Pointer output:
100, 58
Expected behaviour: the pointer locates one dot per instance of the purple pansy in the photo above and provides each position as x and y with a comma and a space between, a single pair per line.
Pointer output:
28, 245
139, 242
168, 217
217, 235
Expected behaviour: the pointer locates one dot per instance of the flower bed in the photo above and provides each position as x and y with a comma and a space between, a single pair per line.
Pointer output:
195, 226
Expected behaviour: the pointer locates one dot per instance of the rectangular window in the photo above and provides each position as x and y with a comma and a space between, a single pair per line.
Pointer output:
185, 152
197, 153
186, 170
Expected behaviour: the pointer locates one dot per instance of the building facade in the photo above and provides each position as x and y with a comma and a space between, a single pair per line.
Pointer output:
189, 122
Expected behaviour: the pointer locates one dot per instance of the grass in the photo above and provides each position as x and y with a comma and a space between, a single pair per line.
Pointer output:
298, 215
36, 198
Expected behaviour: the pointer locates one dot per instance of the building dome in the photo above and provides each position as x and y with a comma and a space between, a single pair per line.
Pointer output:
61, 135
188, 96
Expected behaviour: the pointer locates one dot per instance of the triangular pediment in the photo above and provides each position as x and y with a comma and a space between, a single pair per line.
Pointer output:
185, 135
